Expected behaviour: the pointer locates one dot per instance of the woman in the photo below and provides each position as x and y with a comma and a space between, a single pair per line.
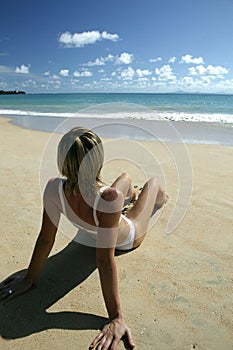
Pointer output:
81, 197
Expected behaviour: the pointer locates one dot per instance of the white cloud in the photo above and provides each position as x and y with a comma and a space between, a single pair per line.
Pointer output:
108, 36
207, 79
142, 72
55, 76
165, 72
105, 79
192, 71
46, 74
64, 72
191, 59
157, 59
85, 73
29, 83
209, 70
142, 79
124, 58
109, 58
217, 70
188, 80
3, 84
99, 61
22, 69
56, 80
172, 59
85, 38
128, 74
5, 69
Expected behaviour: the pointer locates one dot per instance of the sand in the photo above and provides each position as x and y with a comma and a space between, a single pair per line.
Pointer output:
176, 289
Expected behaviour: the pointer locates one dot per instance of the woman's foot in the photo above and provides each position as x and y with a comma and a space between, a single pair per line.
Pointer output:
134, 197
136, 192
161, 199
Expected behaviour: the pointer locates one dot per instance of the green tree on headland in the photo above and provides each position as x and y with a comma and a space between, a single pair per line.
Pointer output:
14, 92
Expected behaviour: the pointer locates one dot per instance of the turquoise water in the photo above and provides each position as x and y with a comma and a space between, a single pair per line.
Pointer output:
197, 118
189, 107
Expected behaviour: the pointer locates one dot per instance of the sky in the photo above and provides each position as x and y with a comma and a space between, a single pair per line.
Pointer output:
52, 46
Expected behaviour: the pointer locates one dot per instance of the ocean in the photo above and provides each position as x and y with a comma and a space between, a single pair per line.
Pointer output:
190, 114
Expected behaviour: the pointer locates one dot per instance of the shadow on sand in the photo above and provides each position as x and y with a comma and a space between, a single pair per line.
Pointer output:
26, 314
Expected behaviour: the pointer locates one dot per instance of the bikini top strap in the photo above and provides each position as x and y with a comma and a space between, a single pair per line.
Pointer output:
61, 196
97, 198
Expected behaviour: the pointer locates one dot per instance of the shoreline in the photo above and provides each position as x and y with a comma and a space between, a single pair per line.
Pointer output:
136, 129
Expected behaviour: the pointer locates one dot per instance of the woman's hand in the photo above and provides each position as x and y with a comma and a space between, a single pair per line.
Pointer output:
136, 192
14, 285
111, 335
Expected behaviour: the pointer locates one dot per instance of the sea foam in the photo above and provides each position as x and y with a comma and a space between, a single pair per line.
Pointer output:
150, 115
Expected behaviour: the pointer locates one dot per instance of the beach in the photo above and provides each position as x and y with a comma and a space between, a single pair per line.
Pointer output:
175, 289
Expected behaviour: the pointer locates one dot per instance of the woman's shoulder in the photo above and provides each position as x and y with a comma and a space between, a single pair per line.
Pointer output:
54, 181
110, 194
113, 198
52, 185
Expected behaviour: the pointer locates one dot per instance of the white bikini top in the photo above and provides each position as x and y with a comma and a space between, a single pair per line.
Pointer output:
96, 201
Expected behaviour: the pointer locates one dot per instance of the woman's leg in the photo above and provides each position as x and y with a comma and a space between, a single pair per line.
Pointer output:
151, 198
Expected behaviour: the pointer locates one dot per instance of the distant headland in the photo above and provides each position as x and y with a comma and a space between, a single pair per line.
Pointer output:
13, 92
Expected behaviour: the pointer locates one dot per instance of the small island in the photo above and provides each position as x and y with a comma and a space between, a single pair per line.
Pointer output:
14, 92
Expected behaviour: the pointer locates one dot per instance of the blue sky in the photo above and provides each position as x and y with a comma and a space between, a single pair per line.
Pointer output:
116, 46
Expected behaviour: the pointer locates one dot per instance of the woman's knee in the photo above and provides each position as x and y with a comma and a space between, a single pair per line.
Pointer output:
154, 181
126, 176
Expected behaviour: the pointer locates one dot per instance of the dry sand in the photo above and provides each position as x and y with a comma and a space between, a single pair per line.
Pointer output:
176, 290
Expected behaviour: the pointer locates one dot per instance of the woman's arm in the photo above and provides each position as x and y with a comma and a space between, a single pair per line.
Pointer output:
106, 242
20, 282
116, 328
42, 248
46, 238
108, 277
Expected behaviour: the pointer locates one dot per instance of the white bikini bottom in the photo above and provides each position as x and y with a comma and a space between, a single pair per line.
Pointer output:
128, 243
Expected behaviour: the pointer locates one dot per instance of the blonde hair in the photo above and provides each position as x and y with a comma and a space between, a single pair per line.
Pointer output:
80, 159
